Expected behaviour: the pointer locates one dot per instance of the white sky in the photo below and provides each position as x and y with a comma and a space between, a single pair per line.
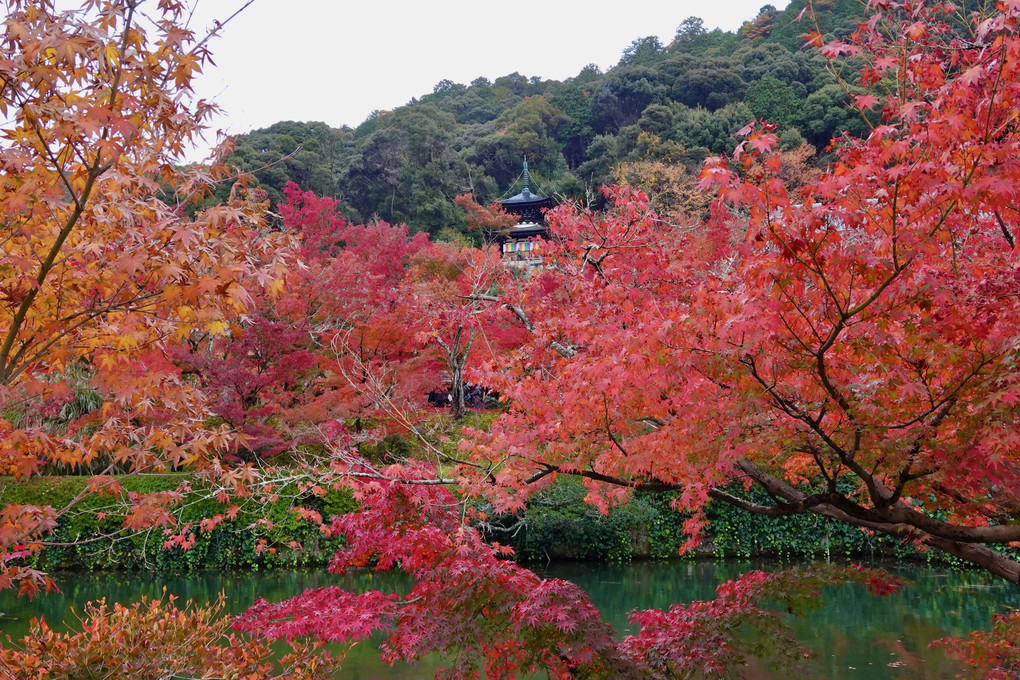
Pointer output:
337, 61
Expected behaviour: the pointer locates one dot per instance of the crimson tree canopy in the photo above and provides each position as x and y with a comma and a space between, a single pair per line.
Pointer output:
851, 348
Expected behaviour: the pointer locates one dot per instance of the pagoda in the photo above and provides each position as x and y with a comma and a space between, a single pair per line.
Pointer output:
518, 243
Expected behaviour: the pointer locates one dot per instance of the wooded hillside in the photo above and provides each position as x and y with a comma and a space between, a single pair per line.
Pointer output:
651, 120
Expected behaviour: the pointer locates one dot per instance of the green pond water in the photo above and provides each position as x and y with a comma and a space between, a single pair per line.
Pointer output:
855, 635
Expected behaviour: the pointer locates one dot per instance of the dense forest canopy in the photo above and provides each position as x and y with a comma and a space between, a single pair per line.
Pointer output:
671, 104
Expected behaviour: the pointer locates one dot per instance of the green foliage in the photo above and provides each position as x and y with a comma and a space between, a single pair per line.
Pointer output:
643, 51
389, 449
801, 69
623, 94
710, 83
528, 130
311, 154
559, 524
691, 36
574, 135
773, 100
266, 534
712, 130
826, 115
406, 170
737, 533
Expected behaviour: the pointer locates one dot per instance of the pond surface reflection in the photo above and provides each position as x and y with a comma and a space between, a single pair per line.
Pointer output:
855, 635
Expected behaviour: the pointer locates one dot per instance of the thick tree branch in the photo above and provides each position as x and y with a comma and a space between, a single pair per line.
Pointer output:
898, 521
1005, 230
561, 349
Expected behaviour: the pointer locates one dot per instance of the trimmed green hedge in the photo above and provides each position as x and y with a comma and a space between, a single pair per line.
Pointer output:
244, 542
558, 524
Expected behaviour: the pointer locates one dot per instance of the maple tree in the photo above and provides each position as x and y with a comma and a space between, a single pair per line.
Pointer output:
102, 264
467, 602
853, 354
260, 379
400, 314
371, 321
482, 218
156, 639
440, 306
350, 297
335, 344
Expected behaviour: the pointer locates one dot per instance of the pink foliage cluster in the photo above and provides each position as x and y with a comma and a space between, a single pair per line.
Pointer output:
254, 376
487, 614
468, 603
993, 654
705, 638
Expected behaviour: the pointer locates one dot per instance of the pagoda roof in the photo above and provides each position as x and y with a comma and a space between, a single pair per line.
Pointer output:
519, 232
525, 197
526, 229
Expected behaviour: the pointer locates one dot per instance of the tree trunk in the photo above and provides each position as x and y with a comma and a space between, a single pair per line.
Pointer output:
457, 407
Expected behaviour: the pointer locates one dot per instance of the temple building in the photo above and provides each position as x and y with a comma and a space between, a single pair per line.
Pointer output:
519, 242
